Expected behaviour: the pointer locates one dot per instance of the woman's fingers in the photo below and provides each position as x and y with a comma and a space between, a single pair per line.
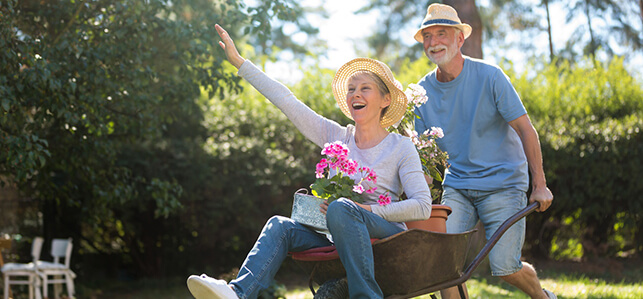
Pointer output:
224, 36
227, 44
222, 32
323, 207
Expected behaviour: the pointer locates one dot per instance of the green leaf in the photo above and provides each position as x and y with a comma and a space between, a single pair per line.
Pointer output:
435, 174
6, 105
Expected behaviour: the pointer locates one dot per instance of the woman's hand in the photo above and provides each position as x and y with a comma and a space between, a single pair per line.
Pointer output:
227, 44
323, 207
365, 207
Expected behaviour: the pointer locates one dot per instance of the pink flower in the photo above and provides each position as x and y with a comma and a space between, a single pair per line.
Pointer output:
350, 167
336, 149
320, 168
372, 177
416, 95
384, 199
358, 188
437, 132
323, 163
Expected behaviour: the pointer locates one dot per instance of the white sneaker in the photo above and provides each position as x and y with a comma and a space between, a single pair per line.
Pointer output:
206, 287
550, 294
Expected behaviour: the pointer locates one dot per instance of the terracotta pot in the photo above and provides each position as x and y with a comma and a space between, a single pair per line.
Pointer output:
437, 222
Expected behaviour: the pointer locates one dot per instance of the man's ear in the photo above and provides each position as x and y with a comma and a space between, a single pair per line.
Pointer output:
461, 38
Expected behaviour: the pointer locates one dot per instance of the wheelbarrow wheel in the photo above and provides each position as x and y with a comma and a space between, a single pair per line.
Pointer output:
333, 289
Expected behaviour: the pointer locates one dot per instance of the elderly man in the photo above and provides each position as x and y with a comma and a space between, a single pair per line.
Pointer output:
491, 143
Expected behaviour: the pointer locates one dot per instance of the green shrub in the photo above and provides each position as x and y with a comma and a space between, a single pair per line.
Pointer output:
589, 120
259, 159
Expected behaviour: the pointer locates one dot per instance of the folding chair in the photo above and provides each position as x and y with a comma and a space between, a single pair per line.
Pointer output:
57, 272
22, 270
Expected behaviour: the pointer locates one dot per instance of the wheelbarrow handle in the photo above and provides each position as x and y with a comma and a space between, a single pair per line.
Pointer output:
487, 247
496, 237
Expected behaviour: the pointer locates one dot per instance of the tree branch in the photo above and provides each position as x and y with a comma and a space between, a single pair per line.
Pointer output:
69, 24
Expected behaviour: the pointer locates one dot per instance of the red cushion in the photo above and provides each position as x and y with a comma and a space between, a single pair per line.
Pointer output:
325, 253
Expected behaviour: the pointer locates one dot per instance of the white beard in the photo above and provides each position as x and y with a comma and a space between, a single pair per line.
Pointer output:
446, 57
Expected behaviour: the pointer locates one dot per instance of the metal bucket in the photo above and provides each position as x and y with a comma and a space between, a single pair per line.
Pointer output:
305, 210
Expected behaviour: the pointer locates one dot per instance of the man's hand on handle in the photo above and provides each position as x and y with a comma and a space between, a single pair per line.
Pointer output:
542, 195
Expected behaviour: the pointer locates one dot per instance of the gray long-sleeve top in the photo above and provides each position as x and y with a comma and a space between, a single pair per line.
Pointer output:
394, 160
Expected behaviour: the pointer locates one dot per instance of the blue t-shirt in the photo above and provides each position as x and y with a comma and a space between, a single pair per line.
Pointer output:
473, 110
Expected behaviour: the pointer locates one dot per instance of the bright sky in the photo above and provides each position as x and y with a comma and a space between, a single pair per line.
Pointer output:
343, 29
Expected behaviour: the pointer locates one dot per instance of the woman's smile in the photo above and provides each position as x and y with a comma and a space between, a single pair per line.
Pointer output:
362, 96
358, 105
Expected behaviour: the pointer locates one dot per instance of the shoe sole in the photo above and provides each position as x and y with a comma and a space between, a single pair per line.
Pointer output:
550, 294
200, 290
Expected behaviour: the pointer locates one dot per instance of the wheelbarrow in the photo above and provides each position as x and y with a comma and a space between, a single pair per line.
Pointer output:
404, 264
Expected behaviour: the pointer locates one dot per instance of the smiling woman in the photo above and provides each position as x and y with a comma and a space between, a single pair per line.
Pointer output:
380, 77
366, 82
367, 92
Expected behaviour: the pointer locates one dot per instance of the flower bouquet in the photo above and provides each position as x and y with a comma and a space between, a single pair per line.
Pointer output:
337, 177
434, 160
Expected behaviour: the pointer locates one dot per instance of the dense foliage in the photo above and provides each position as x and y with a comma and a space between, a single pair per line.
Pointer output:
590, 121
100, 123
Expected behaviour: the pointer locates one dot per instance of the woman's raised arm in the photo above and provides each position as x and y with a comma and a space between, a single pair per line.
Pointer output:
227, 44
314, 126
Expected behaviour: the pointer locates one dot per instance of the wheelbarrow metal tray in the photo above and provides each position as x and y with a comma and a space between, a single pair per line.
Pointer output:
405, 262
412, 260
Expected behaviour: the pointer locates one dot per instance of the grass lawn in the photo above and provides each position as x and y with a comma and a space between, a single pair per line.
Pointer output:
565, 286
602, 279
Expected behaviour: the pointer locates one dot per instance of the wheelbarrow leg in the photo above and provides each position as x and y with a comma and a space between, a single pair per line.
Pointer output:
310, 281
461, 290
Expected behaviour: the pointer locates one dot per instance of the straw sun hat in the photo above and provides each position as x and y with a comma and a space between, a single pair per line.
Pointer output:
398, 105
442, 15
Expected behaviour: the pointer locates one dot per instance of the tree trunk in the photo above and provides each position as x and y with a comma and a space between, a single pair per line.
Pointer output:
641, 8
592, 40
551, 42
468, 13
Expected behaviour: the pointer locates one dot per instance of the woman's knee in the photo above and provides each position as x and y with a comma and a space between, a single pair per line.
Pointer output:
277, 224
339, 207
340, 212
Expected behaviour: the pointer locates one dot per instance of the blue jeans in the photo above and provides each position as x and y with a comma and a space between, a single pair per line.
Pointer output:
492, 208
351, 228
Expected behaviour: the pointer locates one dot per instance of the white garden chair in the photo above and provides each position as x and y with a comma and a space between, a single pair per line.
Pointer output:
57, 272
15, 273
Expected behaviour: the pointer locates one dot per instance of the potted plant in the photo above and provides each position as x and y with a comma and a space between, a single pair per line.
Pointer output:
333, 173
434, 160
